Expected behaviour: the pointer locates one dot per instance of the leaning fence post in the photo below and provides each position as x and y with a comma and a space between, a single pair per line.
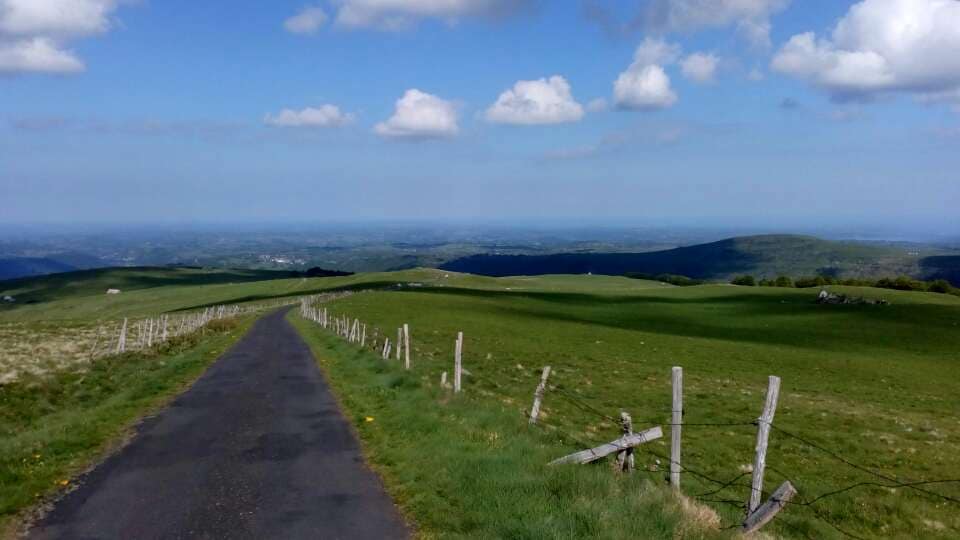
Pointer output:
676, 422
763, 434
458, 363
538, 395
406, 345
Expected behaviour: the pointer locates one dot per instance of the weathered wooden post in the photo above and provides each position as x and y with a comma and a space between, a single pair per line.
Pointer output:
406, 345
538, 395
763, 434
676, 423
399, 342
458, 363
122, 340
625, 457
443, 380
363, 336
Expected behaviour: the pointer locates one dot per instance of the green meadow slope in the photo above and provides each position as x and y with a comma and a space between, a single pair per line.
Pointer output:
869, 382
866, 382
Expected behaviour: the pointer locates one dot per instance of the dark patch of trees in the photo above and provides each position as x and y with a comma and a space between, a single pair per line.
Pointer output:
673, 279
316, 271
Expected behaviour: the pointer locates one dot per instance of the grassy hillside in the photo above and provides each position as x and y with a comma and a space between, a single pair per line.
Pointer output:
866, 381
762, 256
61, 286
863, 381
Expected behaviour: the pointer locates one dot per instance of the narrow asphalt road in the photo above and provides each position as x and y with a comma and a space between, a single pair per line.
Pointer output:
257, 448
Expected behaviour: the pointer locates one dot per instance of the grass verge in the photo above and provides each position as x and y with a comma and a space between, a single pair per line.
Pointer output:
469, 467
53, 427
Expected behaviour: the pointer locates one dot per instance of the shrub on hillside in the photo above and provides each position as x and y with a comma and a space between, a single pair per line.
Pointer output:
745, 281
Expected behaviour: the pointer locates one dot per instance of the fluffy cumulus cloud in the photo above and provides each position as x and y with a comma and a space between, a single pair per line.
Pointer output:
320, 117
419, 115
37, 55
882, 47
400, 14
751, 17
645, 84
33, 33
307, 21
700, 67
543, 101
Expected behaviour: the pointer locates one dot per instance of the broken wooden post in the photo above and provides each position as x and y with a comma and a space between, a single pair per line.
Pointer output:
676, 422
443, 380
766, 512
406, 345
625, 457
538, 395
593, 454
763, 434
458, 363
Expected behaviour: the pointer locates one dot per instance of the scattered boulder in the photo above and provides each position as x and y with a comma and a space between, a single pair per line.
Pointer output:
9, 299
113, 291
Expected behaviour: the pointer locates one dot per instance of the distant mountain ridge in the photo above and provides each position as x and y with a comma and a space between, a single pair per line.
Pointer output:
762, 256
16, 267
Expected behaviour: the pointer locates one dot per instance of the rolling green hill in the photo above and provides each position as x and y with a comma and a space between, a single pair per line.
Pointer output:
763, 256
862, 379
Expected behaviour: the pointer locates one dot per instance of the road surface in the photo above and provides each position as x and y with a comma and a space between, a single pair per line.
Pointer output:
257, 448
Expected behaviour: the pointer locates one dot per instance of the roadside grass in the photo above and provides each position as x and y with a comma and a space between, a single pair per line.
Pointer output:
55, 425
872, 383
468, 467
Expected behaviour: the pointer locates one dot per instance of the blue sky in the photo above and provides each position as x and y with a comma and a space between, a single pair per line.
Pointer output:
173, 111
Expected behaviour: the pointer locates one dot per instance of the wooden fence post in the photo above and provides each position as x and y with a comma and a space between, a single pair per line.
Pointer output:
399, 341
122, 340
406, 345
458, 363
443, 380
538, 395
763, 434
625, 457
676, 422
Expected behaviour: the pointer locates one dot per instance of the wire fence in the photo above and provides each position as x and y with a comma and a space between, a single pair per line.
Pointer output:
727, 491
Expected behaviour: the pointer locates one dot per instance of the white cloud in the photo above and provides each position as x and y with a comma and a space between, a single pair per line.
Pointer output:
880, 47
307, 21
324, 116
420, 115
644, 88
33, 32
752, 17
399, 14
645, 84
37, 55
61, 18
543, 101
756, 74
656, 51
700, 67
